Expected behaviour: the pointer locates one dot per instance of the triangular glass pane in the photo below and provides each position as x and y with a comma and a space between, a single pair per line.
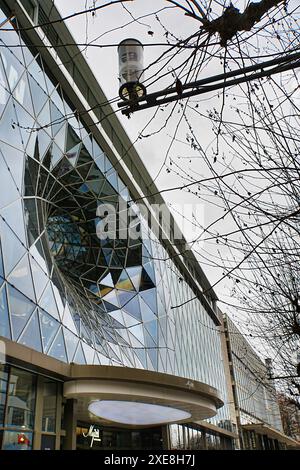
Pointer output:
14, 217
44, 118
71, 343
60, 138
147, 313
113, 179
84, 157
125, 297
57, 118
72, 138
48, 303
135, 275
49, 327
111, 297
135, 343
38, 254
133, 308
152, 353
151, 327
129, 320
58, 349
39, 277
160, 307
44, 141
21, 278
148, 267
141, 355
146, 282
96, 361
137, 331
20, 310
149, 342
89, 353
9, 192
73, 153
14, 160
104, 360
56, 155
68, 320
39, 97
58, 298
9, 132
4, 317
149, 296
124, 282
117, 318
79, 356
31, 336
1, 267
107, 281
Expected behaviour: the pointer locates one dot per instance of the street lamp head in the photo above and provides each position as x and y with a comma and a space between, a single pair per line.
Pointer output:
131, 67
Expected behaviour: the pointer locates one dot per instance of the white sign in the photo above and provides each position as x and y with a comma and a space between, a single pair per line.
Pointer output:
94, 433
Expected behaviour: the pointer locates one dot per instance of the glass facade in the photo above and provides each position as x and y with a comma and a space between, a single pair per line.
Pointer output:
197, 438
256, 398
21, 416
110, 438
63, 291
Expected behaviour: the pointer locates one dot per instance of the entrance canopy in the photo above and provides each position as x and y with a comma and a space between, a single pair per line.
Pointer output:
272, 433
137, 397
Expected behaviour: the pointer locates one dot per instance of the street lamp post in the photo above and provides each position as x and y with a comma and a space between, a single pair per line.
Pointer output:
131, 69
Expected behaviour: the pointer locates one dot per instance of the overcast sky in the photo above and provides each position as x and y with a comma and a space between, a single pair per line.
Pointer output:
111, 25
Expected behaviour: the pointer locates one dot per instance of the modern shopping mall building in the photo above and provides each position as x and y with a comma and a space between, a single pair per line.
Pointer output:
102, 349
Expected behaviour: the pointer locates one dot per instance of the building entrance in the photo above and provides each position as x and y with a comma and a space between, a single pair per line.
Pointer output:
95, 437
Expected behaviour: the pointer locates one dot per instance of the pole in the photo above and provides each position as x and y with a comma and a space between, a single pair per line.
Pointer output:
278, 65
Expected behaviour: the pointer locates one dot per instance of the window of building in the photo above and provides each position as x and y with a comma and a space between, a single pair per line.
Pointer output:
17, 440
49, 405
3, 391
20, 400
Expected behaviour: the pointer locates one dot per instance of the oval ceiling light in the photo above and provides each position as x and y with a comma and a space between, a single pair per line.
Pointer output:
136, 413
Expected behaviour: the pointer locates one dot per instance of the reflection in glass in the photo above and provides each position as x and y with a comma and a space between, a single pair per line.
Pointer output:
49, 405
21, 399
17, 440
3, 391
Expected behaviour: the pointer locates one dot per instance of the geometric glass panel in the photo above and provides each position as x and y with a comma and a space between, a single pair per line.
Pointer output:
133, 308
31, 336
149, 296
21, 278
12, 248
49, 327
39, 276
152, 353
147, 313
1, 267
142, 357
48, 303
71, 343
13, 159
135, 275
149, 341
151, 327
68, 320
58, 349
14, 217
4, 318
20, 311
79, 356
124, 282
89, 353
